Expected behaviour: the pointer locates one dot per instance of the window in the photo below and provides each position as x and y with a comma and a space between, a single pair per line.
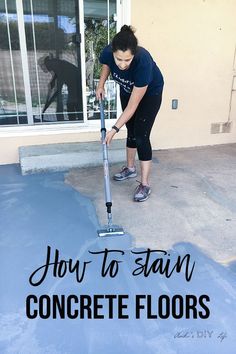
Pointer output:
46, 75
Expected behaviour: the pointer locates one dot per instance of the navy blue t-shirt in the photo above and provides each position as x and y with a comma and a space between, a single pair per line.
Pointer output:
143, 71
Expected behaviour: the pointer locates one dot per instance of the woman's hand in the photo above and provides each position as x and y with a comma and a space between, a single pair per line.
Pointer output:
100, 93
109, 136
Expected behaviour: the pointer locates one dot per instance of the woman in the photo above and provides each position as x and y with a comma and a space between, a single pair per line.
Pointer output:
141, 84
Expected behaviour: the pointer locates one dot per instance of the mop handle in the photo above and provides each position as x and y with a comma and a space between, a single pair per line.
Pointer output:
103, 128
105, 160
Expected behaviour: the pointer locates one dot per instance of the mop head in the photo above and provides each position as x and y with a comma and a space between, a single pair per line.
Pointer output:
113, 230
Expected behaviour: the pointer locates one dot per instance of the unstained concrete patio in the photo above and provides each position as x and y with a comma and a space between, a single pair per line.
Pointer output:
193, 200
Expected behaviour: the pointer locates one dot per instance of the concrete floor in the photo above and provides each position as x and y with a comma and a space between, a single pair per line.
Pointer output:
193, 200
191, 212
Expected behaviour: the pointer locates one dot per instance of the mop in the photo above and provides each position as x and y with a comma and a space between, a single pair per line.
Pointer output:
109, 229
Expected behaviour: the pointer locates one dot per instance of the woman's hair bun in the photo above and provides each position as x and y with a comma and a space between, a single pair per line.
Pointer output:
124, 40
128, 29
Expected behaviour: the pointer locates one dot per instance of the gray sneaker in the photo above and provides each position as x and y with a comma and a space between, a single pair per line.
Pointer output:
125, 173
141, 193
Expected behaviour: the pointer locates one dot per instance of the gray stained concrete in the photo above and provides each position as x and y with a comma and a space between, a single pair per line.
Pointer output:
49, 231
193, 199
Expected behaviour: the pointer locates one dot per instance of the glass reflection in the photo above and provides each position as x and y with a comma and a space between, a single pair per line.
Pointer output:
51, 32
12, 93
100, 27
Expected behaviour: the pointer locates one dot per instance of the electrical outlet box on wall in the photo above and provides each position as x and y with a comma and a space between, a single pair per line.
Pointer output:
223, 127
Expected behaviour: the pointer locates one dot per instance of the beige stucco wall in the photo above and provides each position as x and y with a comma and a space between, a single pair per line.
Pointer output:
193, 42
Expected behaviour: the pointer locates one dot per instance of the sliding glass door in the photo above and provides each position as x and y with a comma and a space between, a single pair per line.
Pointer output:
49, 54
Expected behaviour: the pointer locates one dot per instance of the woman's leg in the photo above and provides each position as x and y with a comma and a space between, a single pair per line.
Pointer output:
145, 117
128, 171
131, 148
130, 156
145, 172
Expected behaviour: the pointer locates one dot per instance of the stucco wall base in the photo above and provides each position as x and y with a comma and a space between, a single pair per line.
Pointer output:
62, 157
9, 145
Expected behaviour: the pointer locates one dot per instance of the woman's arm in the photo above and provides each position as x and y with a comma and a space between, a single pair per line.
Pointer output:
100, 92
135, 98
